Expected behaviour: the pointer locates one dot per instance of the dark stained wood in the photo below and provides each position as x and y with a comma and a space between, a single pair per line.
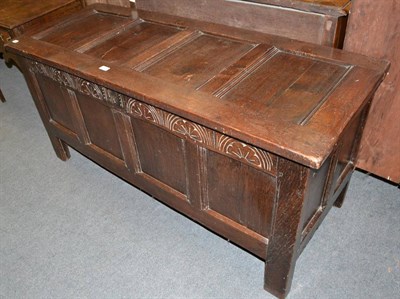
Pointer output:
194, 63
93, 24
293, 19
60, 147
193, 163
336, 173
79, 123
123, 3
317, 194
123, 7
339, 7
374, 31
287, 87
161, 50
286, 231
246, 197
223, 82
17, 12
4, 37
104, 36
21, 16
165, 163
57, 101
319, 131
132, 41
127, 141
100, 125
339, 201
347, 151
254, 136
2, 98
327, 53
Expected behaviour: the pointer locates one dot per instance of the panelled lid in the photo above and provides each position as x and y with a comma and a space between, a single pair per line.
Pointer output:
288, 97
17, 12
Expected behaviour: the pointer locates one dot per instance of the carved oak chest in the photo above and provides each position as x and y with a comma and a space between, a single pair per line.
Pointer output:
254, 136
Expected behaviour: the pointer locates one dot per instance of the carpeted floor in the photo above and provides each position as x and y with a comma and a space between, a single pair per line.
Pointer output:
73, 230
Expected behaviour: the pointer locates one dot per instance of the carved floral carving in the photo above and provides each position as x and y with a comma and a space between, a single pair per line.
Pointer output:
191, 130
176, 124
244, 152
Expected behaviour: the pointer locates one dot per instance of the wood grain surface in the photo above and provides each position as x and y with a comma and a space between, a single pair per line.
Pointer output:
123, 3
374, 30
334, 7
259, 98
252, 135
287, 20
16, 12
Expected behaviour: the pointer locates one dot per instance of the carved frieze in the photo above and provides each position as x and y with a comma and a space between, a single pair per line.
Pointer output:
174, 123
186, 129
244, 152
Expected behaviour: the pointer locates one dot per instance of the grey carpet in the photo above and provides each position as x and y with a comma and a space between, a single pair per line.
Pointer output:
73, 230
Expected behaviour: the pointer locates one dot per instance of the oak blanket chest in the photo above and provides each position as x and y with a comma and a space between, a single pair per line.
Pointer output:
252, 135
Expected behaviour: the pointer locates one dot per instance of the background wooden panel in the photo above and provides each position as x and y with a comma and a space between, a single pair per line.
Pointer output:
12, 14
124, 3
374, 30
316, 28
333, 7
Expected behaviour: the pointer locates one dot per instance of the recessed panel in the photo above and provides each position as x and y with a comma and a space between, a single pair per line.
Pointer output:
196, 62
100, 125
308, 92
347, 152
240, 192
286, 87
161, 155
56, 98
133, 41
316, 192
269, 80
83, 30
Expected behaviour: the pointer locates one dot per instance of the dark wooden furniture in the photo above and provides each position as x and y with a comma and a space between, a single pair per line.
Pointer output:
252, 135
122, 3
21, 16
374, 30
321, 22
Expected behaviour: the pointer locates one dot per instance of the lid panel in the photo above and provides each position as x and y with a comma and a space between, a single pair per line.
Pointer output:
134, 40
196, 62
287, 87
83, 30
